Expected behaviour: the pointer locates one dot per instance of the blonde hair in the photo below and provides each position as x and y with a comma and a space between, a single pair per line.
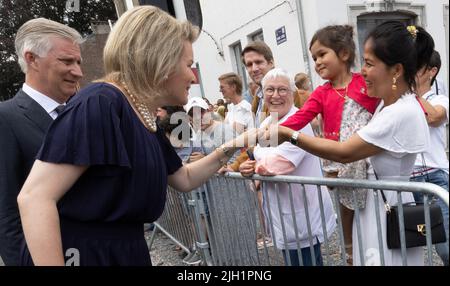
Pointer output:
232, 79
35, 36
144, 48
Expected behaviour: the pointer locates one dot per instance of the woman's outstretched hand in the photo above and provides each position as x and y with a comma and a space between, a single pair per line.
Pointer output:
247, 139
270, 136
274, 135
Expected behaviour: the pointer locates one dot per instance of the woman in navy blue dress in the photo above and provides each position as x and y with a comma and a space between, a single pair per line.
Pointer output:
104, 166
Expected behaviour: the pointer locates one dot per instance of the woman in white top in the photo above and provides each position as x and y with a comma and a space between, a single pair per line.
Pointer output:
433, 166
287, 159
394, 136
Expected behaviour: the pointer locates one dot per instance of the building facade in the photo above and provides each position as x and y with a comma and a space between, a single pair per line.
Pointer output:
288, 26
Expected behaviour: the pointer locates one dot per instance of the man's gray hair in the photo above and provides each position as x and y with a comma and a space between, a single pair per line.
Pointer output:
279, 73
35, 36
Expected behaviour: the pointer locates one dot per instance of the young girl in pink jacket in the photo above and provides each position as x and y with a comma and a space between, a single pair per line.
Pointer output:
345, 108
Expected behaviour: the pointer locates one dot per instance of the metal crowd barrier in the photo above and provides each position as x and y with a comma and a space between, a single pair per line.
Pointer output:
176, 221
227, 228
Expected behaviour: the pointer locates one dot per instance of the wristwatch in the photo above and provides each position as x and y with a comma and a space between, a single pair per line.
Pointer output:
294, 138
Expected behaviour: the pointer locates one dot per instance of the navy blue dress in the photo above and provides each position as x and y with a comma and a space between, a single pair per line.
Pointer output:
102, 215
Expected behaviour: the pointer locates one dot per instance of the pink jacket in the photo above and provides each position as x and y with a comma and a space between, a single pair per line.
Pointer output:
325, 100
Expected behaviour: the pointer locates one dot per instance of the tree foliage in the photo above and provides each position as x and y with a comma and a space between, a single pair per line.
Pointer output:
14, 13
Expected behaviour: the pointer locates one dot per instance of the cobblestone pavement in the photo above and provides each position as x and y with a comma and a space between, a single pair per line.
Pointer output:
164, 253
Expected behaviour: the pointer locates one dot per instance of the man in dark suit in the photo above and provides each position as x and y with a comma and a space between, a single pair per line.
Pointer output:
49, 55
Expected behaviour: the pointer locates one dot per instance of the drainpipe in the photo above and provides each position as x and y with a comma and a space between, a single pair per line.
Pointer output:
301, 24
180, 10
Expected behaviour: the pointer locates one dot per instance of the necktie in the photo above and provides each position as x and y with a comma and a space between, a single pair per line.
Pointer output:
59, 109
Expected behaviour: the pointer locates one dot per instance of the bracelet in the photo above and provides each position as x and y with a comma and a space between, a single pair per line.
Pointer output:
227, 151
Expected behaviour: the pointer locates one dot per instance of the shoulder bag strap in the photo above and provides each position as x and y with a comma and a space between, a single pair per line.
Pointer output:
386, 205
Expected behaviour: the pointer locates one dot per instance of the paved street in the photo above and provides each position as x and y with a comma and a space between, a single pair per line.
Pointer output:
165, 253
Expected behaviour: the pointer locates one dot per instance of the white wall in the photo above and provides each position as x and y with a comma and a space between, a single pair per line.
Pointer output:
318, 14
230, 21
435, 26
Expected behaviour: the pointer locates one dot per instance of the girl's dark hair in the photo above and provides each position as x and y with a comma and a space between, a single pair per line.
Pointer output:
339, 38
393, 44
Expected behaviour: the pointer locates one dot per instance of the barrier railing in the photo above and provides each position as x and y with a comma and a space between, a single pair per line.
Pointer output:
225, 221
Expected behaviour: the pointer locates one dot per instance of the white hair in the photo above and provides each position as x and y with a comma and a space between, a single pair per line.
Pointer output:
279, 73
36, 36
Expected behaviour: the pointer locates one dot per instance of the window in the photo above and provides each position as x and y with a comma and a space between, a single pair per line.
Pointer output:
238, 67
257, 36
365, 17
367, 22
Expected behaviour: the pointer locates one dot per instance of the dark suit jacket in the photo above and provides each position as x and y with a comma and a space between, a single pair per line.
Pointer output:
23, 124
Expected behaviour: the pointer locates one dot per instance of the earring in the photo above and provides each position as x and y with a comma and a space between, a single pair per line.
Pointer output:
394, 84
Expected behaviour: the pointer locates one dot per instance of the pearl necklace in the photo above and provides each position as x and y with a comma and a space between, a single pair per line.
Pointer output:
148, 117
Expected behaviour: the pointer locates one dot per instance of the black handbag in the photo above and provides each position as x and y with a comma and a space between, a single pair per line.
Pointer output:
414, 224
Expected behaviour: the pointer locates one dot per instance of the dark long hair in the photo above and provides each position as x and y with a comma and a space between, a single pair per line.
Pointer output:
394, 44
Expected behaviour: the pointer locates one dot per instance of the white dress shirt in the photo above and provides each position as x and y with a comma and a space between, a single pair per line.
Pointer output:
435, 155
241, 114
46, 102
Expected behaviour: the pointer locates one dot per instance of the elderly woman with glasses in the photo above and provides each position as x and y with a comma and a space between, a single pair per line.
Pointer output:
287, 159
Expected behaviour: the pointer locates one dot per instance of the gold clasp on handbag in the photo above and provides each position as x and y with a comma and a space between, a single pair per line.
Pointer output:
387, 207
421, 229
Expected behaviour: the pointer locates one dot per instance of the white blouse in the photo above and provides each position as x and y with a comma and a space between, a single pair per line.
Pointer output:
401, 130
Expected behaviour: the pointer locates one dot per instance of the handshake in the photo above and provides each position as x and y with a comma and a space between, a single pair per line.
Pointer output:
270, 136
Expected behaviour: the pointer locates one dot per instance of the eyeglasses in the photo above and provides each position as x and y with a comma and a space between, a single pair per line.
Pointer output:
282, 91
